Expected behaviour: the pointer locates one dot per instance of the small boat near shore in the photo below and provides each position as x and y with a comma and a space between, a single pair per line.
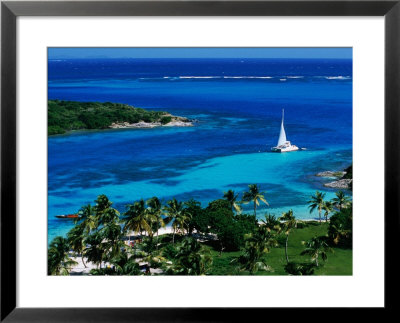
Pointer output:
283, 144
67, 216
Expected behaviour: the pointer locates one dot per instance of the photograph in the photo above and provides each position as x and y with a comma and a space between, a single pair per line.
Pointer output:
189, 161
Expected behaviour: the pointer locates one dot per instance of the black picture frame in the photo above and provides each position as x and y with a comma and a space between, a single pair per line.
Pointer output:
10, 10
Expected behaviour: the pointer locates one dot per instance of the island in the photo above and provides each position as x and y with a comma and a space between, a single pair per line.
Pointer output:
65, 116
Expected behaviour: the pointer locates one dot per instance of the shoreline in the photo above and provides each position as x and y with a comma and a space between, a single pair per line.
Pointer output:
146, 125
122, 126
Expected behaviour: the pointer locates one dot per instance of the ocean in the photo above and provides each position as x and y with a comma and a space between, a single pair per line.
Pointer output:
238, 107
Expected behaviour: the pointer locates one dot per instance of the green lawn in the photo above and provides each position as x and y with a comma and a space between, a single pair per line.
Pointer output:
339, 262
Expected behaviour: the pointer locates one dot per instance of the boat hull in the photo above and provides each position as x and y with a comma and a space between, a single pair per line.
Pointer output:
68, 216
284, 149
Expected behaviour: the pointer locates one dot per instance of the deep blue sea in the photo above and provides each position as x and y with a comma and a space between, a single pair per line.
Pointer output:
238, 104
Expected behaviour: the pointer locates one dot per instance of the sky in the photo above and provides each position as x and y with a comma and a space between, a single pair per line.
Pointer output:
200, 52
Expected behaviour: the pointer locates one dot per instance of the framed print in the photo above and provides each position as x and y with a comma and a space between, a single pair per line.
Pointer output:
197, 155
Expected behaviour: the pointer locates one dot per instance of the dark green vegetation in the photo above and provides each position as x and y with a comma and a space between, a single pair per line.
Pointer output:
216, 240
349, 172
70, 115
349, 175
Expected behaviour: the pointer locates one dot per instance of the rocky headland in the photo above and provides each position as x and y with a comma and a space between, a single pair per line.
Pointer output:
341, 184
330, 173
343, 179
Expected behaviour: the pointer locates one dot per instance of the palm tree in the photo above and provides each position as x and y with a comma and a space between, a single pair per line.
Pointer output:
186, 223
109, 215
144, 252
112, 243
181, 222
94, 251
102, 203
87, 219
175, 214
317, 202
337, 233
341, 200
254, 195
289, 222
125, 265
315, 247
75, 238
191, 258
84, 225
328, 208
102, 206
154, 210
271, 222
58, 260
193, 210
154, 259
231, 197
136, 219
257, 245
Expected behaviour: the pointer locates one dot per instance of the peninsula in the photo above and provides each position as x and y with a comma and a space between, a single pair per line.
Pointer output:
65, 116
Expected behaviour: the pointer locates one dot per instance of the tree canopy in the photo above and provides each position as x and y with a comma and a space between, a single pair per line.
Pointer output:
71, 115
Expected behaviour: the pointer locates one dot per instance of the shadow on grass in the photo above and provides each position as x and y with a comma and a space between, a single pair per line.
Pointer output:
214, 244
300, 268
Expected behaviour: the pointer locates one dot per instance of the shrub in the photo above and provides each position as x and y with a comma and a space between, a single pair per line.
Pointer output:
170, 251
301, 225
165, 120
103, 272
55, 130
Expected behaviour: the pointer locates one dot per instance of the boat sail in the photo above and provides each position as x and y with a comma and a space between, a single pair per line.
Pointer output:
282, 134
283, 144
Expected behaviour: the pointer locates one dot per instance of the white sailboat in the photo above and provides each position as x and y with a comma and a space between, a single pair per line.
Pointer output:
283, 145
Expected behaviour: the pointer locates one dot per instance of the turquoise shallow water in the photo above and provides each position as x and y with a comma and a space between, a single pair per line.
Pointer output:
288, 180
228, 148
